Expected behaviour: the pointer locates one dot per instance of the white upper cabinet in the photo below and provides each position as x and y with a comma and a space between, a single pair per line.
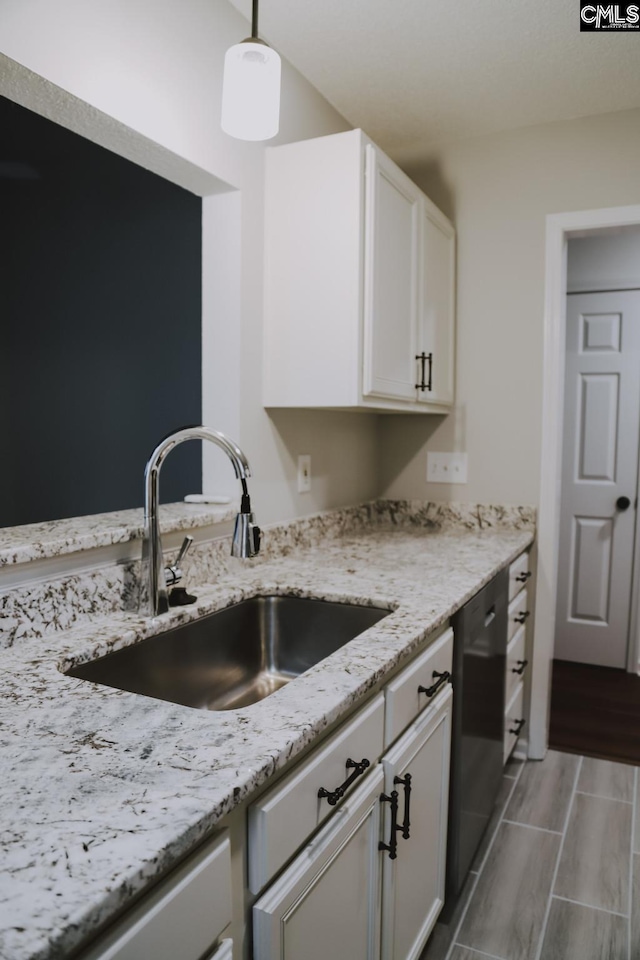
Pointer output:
359, 282
392, 223
436, 328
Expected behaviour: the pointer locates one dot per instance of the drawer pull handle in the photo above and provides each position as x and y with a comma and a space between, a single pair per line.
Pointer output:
333, 796
392, 846
520, 668
518, 728
523, 577
406, 823
442, 678
522, 617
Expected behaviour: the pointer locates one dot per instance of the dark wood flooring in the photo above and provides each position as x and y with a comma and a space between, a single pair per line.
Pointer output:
595, 711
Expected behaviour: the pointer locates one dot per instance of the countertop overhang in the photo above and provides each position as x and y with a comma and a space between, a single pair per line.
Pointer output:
104, 790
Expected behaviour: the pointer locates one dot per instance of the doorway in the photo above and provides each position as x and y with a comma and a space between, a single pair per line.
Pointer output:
601, 427
560, 228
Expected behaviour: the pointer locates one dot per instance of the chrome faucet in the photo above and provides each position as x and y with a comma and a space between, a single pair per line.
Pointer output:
246, 534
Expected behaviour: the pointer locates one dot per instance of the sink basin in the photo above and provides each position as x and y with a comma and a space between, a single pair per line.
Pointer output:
236, 656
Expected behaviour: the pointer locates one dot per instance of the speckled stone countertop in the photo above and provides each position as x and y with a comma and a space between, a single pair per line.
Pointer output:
39, 541
103, 790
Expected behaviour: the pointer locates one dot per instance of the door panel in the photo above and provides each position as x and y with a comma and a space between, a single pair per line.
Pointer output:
390, 280
413, 883
600, 464
326, 904
597, 426
591, 563
435, 315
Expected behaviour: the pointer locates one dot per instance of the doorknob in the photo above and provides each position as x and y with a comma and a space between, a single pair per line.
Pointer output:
623, 503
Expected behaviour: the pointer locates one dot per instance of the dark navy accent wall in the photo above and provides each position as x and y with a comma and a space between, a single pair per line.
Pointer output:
100, 324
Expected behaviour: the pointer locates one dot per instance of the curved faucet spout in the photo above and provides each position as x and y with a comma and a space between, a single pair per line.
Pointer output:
158, 601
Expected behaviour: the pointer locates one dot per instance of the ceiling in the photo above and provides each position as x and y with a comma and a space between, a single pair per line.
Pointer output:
417, 73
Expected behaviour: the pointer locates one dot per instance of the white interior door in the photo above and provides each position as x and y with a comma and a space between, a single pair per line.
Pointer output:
600, 466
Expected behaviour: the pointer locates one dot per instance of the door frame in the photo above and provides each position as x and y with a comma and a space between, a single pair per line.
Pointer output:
559, 229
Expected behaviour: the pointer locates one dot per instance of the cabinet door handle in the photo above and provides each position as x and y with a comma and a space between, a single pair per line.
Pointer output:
442, 678
522, 616
521, 667
392, 846
425, 358
523, 577
406, 823
333, 796
519, 725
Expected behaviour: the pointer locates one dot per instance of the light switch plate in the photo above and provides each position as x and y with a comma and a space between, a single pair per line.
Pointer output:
446, 467
304, 473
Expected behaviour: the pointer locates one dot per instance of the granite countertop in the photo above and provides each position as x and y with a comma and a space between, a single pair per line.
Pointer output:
103, 790
39, 541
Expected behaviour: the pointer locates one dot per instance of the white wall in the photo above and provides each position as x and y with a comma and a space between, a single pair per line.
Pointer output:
604, 261
143, 77
498, 190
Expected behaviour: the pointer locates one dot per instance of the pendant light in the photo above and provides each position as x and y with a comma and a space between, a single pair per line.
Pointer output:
251, 88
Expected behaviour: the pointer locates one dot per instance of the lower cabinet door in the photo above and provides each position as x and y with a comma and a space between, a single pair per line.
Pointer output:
224, 951
417, 767
327, 902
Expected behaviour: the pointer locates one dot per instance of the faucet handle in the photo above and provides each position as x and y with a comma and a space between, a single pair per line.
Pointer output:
184, 549
173, 574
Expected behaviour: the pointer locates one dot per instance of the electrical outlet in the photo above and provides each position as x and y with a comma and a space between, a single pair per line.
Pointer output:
304, 473
446, 467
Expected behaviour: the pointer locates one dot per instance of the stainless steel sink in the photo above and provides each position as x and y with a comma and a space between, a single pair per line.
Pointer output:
235, 657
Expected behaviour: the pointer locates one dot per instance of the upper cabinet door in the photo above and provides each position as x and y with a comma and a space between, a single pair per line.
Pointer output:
436, 326
392, 224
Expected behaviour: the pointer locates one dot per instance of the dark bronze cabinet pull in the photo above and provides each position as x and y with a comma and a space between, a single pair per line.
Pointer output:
392, 846
523, 577
522, 617
520, 668
333, 796
519, 725
442, 678
406, 823
425, 358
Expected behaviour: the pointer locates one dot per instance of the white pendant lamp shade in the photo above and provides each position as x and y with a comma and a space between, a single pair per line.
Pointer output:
251, 91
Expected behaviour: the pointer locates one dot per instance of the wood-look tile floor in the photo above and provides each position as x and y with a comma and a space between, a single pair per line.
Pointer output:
558, 874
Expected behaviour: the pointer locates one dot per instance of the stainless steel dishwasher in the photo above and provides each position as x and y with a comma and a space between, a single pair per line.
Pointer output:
479, 663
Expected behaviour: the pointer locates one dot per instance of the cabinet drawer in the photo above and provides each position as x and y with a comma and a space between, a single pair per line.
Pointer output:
513, 720
183, 917
519, 613
283, 818
519, 573
516, 663
404, 700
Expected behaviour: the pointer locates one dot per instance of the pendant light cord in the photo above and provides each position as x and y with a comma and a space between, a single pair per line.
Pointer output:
254, 20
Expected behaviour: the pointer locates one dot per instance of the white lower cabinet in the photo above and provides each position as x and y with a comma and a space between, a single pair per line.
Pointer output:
183, 918
413, 882
224, 951
370, 883
327, 903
